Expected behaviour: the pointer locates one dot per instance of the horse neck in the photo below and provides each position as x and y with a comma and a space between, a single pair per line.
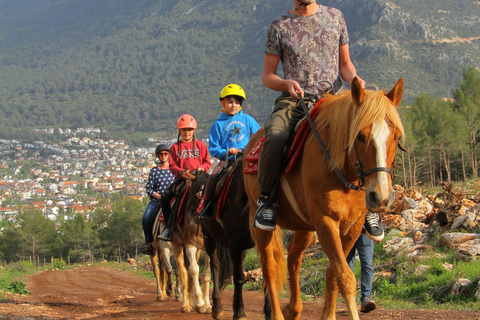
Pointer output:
333, 125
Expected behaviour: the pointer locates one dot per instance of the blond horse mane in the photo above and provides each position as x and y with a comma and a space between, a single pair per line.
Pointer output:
344, 120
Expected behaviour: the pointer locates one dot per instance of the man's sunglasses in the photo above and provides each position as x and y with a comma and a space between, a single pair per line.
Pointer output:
163, 153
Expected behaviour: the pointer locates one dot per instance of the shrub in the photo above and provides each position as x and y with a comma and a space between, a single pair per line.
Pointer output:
18, 286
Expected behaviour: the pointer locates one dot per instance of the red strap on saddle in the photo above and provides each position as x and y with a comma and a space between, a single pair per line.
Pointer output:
223, 196
181, 205
201, 205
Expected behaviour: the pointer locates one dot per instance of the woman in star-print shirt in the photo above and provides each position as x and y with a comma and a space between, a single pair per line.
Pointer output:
159, 179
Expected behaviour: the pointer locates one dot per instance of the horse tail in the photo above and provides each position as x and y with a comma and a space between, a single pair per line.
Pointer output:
279, 256
226, 267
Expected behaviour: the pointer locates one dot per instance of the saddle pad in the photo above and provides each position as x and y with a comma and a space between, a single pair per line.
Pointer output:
221, 198
295, 149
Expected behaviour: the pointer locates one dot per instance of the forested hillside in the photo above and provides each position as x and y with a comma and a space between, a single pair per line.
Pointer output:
132, 67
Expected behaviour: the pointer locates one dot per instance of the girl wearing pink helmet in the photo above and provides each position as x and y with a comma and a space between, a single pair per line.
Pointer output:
187, 155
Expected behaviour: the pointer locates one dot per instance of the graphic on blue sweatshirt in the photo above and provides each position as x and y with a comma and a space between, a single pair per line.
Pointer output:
230, 132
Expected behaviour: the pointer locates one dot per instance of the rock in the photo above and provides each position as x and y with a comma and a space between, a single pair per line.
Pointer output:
391, 221
421, 269
410, 222
419, 237
447, 266
453, 240
460, 286
409, 203
477, 294
396, 244
467, 221
469, 250
465, 205
425, 206
413, 194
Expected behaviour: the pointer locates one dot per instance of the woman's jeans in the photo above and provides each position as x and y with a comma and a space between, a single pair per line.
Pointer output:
147, 219
364, 246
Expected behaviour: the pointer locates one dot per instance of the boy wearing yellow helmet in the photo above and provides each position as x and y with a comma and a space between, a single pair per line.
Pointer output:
229, 135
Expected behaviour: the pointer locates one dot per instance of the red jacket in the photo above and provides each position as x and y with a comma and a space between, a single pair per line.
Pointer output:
185, 157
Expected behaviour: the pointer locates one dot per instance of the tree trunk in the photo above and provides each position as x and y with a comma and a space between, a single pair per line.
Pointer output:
463, 166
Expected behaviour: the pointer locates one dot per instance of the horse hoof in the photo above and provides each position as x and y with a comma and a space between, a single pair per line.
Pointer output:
185, 309
217, 315
202, 309
289, 315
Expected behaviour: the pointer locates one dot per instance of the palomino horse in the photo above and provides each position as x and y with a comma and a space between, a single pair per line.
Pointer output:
162, 267
187, 239
230, 230
362, 130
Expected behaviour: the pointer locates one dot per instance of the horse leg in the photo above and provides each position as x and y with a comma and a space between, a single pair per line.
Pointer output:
338, 276
158, 276
165, 251
178, 285
206, 280
267, 307
266, 248
211, 250
178, 252
297, 246
238, 256
193, 271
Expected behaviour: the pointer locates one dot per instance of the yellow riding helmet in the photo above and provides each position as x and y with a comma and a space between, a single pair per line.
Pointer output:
233, 90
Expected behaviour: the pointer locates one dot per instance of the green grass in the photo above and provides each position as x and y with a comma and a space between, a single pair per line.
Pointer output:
12, 277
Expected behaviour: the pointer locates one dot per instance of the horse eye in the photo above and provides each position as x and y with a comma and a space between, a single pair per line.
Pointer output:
361, 137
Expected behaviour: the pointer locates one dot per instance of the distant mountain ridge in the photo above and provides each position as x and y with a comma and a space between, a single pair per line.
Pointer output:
133, 67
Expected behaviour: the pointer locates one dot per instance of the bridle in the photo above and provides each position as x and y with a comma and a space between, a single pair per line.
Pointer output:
360, 173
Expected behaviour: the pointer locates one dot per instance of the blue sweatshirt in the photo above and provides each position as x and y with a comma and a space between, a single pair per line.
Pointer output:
231, 132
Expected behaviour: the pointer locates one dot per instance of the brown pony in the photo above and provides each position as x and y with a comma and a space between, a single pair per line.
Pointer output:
188, 240
360, 128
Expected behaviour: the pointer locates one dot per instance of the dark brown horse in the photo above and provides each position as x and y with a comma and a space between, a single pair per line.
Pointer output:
227, 240
361, 130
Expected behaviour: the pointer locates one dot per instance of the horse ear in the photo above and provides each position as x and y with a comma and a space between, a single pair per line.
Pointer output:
358, 94
395, 95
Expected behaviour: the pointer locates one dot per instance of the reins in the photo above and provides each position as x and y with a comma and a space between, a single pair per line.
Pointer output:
360, 173
324, 148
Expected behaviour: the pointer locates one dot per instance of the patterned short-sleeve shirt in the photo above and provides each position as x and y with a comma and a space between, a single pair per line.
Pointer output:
158, 181
309, 46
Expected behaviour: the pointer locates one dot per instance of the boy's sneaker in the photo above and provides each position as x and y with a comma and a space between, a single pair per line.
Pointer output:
166, 234
373, 226
367, 305
265, 218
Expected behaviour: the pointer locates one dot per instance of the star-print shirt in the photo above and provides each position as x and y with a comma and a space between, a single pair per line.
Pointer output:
231, 132
158, 181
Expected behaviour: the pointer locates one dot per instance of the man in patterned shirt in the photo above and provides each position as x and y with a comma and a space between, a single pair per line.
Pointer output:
311, 40
159, 179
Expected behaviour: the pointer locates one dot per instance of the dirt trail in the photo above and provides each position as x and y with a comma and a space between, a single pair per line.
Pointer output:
103, 293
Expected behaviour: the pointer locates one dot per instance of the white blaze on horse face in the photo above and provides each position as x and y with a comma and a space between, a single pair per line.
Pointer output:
381, 132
